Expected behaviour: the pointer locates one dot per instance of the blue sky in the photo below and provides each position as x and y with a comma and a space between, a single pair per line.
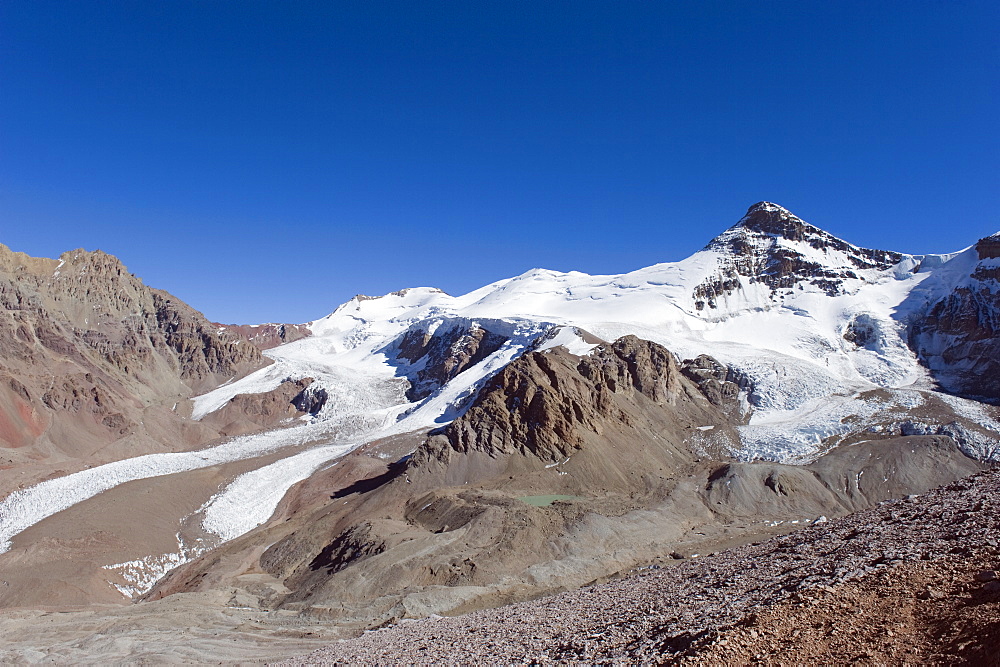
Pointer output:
265, 161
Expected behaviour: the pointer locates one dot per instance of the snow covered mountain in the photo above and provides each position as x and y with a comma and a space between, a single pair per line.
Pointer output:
798, 315
820, 342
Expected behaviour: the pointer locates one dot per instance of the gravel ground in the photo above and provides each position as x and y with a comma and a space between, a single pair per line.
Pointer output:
910, 581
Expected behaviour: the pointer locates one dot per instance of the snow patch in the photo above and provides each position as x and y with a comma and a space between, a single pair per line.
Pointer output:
567, 337
141, 574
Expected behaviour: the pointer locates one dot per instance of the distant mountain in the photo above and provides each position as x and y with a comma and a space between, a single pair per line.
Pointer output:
423, 453
266, 336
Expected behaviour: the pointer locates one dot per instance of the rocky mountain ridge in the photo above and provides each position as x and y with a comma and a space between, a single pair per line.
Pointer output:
91, 298
89, 351
266, 336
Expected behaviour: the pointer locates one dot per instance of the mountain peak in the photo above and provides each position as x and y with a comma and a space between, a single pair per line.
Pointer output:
757, 247
769, 218
767, 206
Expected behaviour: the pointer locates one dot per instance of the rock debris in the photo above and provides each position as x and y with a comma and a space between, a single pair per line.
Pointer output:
911, 581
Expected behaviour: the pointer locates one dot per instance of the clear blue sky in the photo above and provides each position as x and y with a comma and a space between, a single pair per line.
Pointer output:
268, 160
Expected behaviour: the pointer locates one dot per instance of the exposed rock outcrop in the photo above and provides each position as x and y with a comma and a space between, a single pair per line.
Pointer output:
989, 247
353, 545
546, 405
252, 412
958, 337
202, 351
89, 308
720, 384
266, 336
442, 354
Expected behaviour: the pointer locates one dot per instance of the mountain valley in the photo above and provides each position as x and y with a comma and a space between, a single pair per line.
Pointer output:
419, 454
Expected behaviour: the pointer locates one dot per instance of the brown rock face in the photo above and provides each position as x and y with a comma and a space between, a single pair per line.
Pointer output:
353, 545
540, 406
252, 412
958, 340
720, 384
202, 350
90, 347
959, 336
88, 307
755, 252
989, 247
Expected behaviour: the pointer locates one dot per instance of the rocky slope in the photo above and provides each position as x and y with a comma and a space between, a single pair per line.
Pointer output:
266, 336
911, 581
565, 469
87, 306
89, 349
